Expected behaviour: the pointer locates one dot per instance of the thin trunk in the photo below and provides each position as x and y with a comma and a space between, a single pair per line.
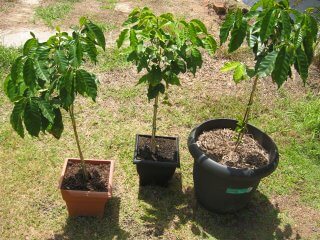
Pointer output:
247, 113
154, 124
73, 121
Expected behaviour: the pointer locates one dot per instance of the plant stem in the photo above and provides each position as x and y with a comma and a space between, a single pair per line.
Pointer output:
154, 124
73, 121
247, 113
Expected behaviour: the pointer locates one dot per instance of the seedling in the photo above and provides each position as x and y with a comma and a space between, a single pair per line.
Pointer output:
48, 76
278, 36
164, 47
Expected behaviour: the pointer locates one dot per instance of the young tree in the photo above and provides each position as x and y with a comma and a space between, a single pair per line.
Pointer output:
278, 36
164, 47
48, 76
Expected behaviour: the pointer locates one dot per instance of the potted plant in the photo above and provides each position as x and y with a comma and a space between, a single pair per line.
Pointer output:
163, 47
46, 78
233, 156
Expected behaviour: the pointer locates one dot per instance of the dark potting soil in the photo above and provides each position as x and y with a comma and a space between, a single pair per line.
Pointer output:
98, 175
220, 144
165, 151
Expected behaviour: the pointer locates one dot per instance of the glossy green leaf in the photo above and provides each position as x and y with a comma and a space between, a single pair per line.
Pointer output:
32, 118
57, 127
30, 46
302, 64
281, 67
267, 26
229, 66
199, 26
240, 73
237, 36
122, 37
16, 69
46, 110
17, 116
29, 74
266, 66
86, 83
97, 31
61, 60
210, 44
286, 24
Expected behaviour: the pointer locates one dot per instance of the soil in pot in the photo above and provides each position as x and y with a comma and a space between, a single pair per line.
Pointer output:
98, 175
165, 151
220, 145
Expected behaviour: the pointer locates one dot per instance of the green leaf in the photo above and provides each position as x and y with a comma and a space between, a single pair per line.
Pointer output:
46, 110
16, 117
312, 26
286, 24
56, 128
226, 27
281, 67
10, 89
133, 38
228, 66
61, 60
32, 118
30, 46
193, 36
29, 74
268, 24
308, 46
266, 66
199, 26
240, 73
16, 69
154, 91
210, 44
155, 76
91, 50
122, 37
143, 79
86, 83
237, 36
98, 34
41, 70
302, 64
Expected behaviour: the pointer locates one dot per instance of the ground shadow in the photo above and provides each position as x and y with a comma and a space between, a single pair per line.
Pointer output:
95, 228
173, 207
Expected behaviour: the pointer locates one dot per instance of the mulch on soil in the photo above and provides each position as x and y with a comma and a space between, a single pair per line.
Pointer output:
220, 145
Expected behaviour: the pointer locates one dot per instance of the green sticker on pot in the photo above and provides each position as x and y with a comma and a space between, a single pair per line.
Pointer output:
238, 190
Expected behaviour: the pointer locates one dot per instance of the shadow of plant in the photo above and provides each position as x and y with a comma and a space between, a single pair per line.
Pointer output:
173, 207
95, 228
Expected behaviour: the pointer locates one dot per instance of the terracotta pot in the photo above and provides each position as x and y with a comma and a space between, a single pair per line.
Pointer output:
86, 203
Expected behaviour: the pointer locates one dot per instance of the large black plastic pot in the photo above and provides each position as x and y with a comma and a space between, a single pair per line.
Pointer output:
225, 189
155, 172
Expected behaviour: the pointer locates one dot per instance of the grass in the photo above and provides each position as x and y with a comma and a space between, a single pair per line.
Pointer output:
108, 4
55, 11
31, 206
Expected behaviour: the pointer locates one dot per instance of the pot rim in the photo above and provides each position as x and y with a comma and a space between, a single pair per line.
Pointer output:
89, 193
223, 170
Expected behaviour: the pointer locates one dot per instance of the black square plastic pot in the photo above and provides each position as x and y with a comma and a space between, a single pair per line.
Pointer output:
155, 172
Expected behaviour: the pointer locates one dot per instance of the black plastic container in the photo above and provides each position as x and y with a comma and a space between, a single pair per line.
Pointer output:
225, 189
155, 172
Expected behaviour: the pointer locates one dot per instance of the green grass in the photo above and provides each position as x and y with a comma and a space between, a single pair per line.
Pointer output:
31, 206
55, 11
108, 4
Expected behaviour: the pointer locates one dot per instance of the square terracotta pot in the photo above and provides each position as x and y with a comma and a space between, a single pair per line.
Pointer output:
86, 203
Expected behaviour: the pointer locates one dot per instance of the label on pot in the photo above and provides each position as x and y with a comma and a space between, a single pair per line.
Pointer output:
238, 190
